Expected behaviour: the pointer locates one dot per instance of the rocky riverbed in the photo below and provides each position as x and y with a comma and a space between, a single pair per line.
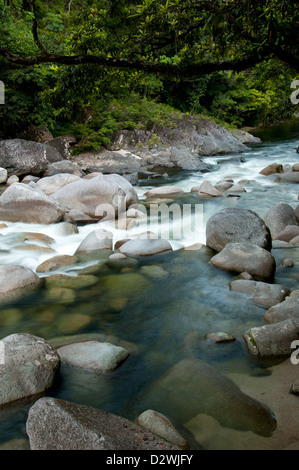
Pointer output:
76, 244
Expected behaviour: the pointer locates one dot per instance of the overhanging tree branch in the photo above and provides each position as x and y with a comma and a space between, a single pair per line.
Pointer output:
181, 70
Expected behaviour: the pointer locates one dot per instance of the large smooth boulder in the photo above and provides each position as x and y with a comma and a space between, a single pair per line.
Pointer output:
26, 203
94, 356
54, 424
286, 310
192, 386
234, 226
278, 217
145, 247
242, 257
262, 293
271, 169
30, 367
97, 240
288, 177
50, 184
273, 340
23, 157
16, 281
93, 196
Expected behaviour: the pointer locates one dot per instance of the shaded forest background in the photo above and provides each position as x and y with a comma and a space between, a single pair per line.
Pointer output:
94, 102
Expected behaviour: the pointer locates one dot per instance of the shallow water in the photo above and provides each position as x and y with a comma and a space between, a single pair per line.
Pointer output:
163, 314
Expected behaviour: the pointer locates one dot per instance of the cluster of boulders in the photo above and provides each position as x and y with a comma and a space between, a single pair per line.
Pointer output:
54, 189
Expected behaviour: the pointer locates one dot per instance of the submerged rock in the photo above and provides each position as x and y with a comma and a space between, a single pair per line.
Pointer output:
30, 367
262, 293
234, 226
192, 386
54, 424
240, 257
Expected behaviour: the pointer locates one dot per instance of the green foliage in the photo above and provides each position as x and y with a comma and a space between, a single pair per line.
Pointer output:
95, 103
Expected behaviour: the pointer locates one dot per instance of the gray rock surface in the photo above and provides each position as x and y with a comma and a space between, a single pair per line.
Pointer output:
97, 240
16, 281
30, 367
236, 225
22, 157
50, 184
242, 257
278, 217
286, 310
63, 166
273, 340
160, 425
26, 203
94, 356
145, 247
54, 424
192, 386
93, 196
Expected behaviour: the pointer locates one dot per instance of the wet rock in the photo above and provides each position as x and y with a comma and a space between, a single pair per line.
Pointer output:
236, 188
288, 177
54, 424
98, 195
223, 186
12, 179
70, 282
3, 175
144, 247
192, 386
220, 337
286, 310
236, 225
97, 240
290, 232
30, 367
207, 188
160, 425
272, 340
164, 191
63, 166
25, 203
240, 257
279, 217
295, 241
262, 293
295, 387
75, 215
72, 323
79, 338
55, 263
50, 184
154, 271
94, 356
271, 169
288, 263
16, 281
125, 285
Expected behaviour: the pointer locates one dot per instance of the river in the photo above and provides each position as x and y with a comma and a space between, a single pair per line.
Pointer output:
159, 312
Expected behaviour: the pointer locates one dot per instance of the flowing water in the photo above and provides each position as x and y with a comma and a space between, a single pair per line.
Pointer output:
160, 307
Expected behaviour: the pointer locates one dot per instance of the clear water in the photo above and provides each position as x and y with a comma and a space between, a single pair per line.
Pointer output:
159, 317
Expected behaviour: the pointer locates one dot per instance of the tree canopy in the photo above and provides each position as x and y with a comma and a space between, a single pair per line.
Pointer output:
185, 37
98, 66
